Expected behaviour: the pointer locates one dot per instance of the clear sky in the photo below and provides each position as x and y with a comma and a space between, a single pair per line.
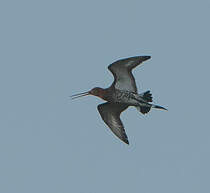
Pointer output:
50, 50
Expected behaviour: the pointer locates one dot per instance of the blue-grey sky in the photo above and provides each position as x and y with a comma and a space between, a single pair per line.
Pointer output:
52, 49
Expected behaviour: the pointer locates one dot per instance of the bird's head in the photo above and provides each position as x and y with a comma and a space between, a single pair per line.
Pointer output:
99, 92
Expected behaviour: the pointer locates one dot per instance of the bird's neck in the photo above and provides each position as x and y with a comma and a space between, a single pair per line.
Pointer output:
103, 94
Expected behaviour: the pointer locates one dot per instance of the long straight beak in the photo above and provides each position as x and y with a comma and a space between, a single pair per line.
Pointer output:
79, 95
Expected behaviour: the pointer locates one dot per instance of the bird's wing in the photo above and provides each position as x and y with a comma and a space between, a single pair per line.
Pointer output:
123, 77
110, 113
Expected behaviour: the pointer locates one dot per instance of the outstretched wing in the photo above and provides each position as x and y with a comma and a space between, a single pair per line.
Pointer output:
123, 77
110, 113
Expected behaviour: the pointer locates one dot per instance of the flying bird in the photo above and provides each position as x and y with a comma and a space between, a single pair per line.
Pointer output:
121, 94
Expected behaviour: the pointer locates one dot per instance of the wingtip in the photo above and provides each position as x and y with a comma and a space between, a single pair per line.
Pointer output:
126, 141
146, 57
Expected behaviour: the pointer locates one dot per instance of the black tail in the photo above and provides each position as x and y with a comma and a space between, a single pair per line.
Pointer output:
146, 109
143, 109
159, 107
147, 96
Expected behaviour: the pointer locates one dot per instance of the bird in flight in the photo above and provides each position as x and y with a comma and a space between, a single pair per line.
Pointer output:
121, 94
